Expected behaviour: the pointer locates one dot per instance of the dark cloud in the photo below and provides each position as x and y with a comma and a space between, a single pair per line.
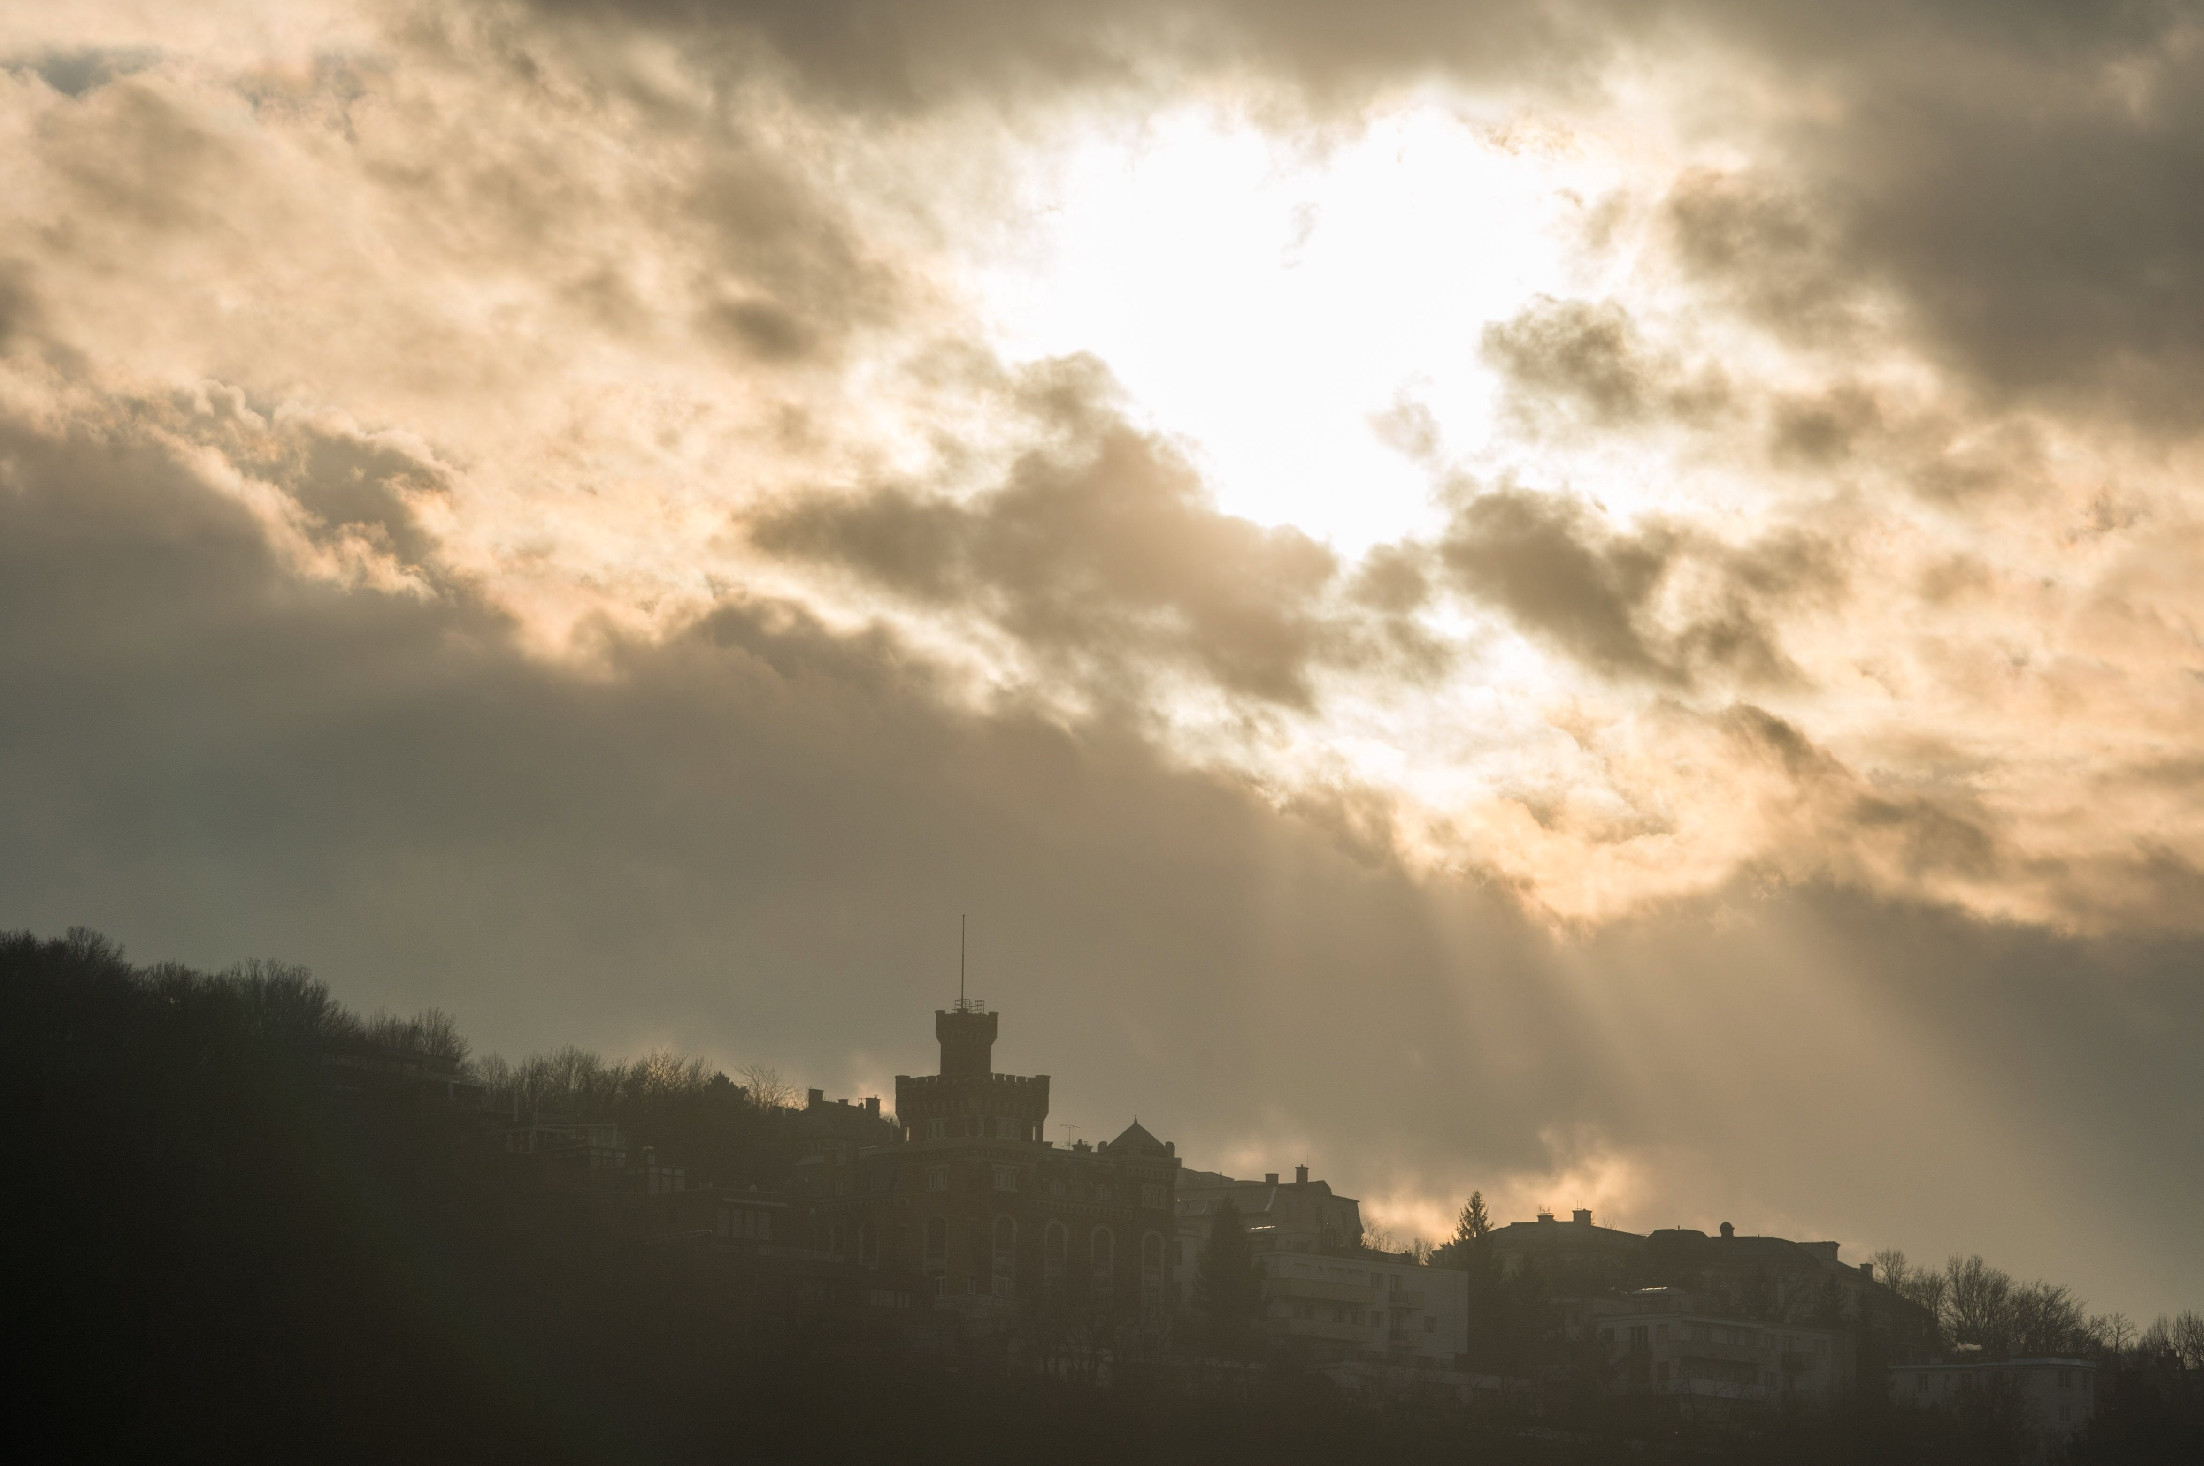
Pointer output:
1663, 603
75, 70
2037, 207
1764, 247
1104, 552
1589, 359
899, 55
1948, 833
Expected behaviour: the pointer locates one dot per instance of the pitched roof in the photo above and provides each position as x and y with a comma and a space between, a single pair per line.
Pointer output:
1137, 1140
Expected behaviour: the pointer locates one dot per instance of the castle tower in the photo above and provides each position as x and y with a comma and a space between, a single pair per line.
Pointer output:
967, 1038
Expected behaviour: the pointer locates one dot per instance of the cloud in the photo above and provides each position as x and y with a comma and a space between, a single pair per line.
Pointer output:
1102, 551
1588, 357
1599, 595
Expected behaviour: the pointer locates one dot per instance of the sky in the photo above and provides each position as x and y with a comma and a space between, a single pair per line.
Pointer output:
1597, 602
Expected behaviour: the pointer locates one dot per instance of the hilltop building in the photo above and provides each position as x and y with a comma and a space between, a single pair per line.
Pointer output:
972, 1197
1321, 1287
1301, 1216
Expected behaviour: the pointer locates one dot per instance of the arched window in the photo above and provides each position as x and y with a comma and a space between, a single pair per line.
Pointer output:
1102, 1253
937, 1244
1151, 1272
1005, 1270
1055, 1249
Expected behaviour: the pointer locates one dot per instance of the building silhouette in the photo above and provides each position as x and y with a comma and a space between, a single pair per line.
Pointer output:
974, 1198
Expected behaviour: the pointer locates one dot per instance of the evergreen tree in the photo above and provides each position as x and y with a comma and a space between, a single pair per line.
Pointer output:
1474, 1224
1227, 1290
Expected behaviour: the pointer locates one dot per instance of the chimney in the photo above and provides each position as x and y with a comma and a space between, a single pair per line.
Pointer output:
1728, 1230
813, 1098
1270, 1178
1300, 1175
1867, 1271
1545, 1215
872, 1105
1582, 1216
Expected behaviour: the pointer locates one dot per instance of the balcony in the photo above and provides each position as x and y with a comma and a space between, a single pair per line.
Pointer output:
1325, 1289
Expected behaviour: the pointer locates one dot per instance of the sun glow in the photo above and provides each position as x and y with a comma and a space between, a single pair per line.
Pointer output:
1306, 319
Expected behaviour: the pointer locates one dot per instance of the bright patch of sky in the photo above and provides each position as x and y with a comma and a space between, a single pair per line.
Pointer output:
1266, 302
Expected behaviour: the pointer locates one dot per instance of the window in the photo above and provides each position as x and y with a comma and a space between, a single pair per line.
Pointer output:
937, 1129
1006, 1257
868, 1245
2066, 1412
1055, 1246
2066, 1379
937, 1243
1430, 1323
1151, 1196
1056, 1187
1006, 1178
1102, 1254
1920, 1384
937, 1178
1660, 1373
1660, 1333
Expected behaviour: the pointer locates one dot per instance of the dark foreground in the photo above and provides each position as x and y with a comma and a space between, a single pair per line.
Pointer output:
217, 1254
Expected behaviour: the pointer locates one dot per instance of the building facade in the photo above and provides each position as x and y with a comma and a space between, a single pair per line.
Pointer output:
1669, 1342
2055, 1398
973, 1198
1301, 1216
1376, 1304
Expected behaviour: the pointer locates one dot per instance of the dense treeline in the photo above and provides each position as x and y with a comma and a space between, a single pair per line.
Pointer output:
220, 1254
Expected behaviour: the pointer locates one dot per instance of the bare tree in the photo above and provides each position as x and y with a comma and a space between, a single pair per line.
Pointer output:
2045, 1318
1891, 1266
1978, 1302
664, 1072
768, 1091
2187, 1339
2115, 1331
432, 1031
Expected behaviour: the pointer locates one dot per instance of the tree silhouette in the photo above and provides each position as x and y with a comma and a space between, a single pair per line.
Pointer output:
1227, 1290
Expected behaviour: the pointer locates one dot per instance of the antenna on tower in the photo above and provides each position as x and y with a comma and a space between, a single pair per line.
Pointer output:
965, 1004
